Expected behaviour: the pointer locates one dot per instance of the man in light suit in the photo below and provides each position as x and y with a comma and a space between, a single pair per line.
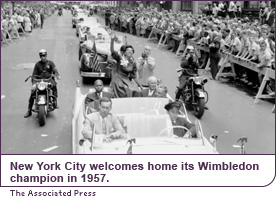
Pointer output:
94, 97
103, 122
145, 66
150, 92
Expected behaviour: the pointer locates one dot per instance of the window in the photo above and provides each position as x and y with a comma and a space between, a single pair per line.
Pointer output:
186, 5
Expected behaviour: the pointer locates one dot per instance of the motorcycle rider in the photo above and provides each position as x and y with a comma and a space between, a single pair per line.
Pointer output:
60, 11
190, 64
43, 69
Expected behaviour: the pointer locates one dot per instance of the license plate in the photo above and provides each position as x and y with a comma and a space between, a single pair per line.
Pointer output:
41, 100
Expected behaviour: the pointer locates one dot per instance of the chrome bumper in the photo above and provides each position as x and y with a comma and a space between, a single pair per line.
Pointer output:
93, 74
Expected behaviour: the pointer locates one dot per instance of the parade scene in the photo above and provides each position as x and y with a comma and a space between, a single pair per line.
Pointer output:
138, 77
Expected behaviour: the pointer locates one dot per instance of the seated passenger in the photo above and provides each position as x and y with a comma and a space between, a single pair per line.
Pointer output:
173, 111
103, 122
150, 91
96, 96
100, 38
161, 92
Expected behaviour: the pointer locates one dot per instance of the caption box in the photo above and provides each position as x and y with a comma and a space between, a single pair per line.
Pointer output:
137, 170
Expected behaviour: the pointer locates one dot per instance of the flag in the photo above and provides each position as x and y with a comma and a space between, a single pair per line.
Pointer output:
95, 61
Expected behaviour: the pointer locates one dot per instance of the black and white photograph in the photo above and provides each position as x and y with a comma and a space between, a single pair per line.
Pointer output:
137, 77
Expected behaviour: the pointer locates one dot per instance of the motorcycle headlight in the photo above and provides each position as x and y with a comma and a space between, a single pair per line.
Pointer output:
197, 80
41, 86
191, 80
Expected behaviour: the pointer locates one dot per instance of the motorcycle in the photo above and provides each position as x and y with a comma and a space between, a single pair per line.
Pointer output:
44, 98
59, 12
193, 94
90, 13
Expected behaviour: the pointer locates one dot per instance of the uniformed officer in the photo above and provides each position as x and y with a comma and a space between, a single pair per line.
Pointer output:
43, 69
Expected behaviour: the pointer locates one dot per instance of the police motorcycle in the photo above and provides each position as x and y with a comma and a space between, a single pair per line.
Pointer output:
44, 98
60, 12
193, 94
90, 13
191, 89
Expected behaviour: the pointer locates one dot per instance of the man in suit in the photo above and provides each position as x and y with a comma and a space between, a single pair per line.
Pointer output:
93, 98
177, 120
150, 92
103, 122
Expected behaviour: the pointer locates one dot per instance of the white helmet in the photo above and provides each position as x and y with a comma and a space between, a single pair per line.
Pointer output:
190, 47
42, 52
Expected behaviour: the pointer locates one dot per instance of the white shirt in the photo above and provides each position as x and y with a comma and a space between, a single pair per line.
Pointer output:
20, 18
100, 94
265, 55
151, 92
237, 43
232, 7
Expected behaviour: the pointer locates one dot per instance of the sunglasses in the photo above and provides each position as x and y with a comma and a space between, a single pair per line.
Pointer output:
42, 55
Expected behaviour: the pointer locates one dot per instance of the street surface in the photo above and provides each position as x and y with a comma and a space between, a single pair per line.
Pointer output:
232, 112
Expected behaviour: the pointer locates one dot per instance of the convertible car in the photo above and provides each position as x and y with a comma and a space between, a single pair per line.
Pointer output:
148, 128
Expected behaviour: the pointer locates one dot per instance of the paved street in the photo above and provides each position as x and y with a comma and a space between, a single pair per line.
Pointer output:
232, 112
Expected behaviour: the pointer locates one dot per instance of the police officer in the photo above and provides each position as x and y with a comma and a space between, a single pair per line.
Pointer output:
43, 69
178, 120
190, 65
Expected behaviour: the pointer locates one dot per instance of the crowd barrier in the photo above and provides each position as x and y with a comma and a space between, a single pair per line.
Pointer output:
268, 73
14, 32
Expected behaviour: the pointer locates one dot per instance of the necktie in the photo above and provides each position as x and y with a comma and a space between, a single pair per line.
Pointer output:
99, 95
103, 126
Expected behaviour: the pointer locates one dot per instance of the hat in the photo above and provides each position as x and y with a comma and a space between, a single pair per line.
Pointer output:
171, 105
189, 47
264, 26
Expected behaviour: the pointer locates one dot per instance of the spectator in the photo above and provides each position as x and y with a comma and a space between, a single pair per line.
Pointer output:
20, 20
214, 54
231, 10
42, 17
145, 66
269, 16
262, 13
27, 23
264, 58
238, 9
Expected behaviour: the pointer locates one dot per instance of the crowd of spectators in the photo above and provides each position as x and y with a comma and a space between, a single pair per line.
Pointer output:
222, 30
22, 19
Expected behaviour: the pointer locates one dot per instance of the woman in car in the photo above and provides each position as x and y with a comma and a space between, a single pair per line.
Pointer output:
126, 83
